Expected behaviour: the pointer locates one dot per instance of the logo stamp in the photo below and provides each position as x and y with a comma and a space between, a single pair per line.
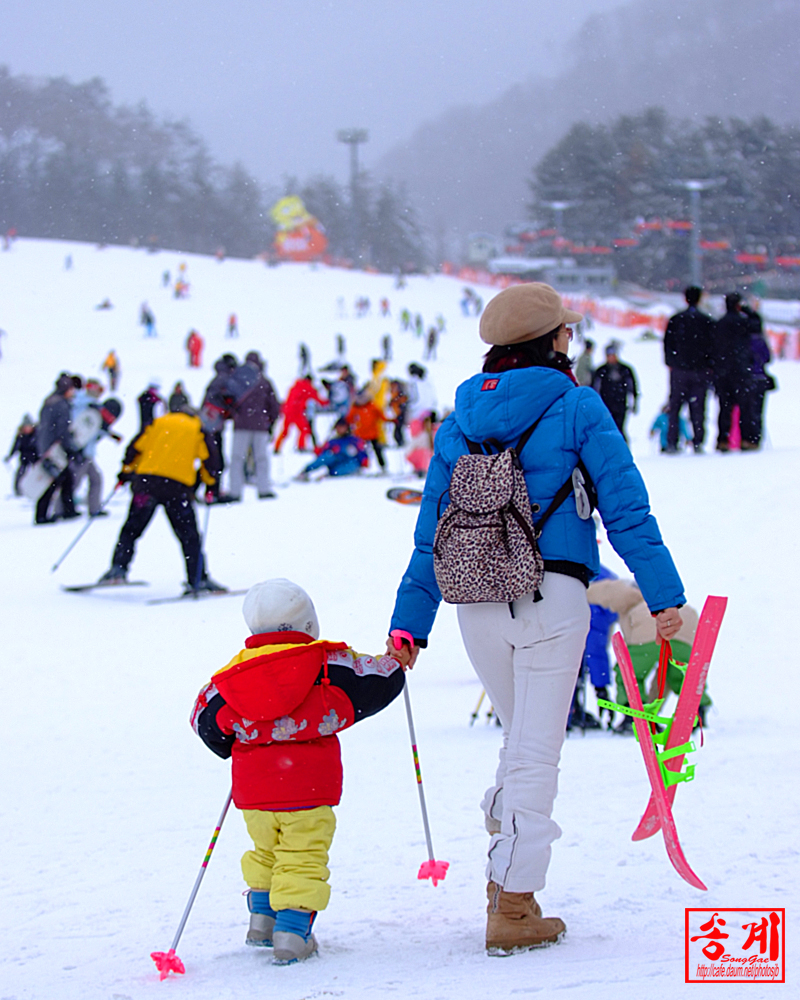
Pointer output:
743, 945
490, 383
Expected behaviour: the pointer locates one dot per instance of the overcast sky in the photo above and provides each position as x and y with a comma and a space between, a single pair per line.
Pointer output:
268, 82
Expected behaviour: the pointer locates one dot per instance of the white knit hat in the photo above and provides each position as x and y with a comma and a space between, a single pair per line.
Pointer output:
279, 606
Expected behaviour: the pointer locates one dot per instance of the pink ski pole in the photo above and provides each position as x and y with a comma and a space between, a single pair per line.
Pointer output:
432, 869
168, 961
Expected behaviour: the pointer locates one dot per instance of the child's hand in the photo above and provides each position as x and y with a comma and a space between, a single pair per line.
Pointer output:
406, 656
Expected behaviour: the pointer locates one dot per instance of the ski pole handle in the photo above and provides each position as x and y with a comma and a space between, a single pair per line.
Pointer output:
398, 635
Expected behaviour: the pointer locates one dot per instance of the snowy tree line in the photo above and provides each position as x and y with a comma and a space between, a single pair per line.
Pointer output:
75, 166
615, 176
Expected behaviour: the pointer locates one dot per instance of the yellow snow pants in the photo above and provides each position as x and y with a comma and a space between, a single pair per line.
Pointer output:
290, 859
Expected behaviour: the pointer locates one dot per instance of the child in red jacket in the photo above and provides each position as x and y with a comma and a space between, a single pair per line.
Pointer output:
276, 709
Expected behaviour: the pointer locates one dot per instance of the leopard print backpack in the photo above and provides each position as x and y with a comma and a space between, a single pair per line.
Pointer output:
486, 544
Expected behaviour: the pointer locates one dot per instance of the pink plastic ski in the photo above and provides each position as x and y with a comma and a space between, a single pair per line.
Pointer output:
688, 703
693, 688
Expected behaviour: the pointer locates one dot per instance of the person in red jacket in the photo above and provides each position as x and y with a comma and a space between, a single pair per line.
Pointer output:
276, 709
295, 412
194, 345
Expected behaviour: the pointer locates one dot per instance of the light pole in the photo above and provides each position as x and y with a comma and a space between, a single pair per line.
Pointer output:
559, 207
694, 188
353, 137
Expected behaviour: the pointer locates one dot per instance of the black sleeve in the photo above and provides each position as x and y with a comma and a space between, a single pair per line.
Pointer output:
210, 733
369, 694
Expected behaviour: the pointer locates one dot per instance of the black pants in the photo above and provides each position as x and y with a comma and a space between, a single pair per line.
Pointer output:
735, 391
619, 416
687, 387
377, 447
215, 463
177, 500
62, 482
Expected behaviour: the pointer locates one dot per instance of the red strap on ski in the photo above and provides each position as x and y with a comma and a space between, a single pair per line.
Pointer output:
663, 662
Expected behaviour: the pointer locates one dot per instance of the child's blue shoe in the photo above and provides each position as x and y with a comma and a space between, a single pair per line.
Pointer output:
292, 938
262, 919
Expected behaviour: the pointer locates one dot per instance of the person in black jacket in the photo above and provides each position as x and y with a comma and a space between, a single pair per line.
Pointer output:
688, 347
616, 385
54, 429
255, 410
733, 370
25, 446
214, 411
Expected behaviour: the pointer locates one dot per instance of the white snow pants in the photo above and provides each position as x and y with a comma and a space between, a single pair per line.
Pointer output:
528, 665
242, 440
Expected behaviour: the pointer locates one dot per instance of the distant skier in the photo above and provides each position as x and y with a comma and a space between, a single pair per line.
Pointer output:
178, 400
194, 345
304, 359
233, 326
53, 431
24, 445
616, 384
386, 347
147, 320
295, 412
366, 421
343, 454
151, 405
584, 366
111, 366
214, 411
255, 410
91, 421
431, 343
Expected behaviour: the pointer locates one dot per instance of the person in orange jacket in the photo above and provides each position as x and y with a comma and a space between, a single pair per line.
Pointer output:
366, 422
295, 412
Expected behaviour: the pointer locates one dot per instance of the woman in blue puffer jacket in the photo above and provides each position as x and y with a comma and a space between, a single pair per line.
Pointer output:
528, 656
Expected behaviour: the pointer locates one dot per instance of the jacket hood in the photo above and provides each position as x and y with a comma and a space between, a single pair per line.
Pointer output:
267, 680
505, 405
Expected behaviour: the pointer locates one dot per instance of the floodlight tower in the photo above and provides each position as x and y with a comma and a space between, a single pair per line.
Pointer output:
353, 137
694, 187
559, 207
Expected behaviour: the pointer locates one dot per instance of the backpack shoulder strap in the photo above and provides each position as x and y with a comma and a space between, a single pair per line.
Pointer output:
564, 492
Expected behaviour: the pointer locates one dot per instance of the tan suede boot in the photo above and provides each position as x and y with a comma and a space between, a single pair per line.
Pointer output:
515, 922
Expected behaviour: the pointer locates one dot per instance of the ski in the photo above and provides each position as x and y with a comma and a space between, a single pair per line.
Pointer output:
659, 795
401, 494
199, 596
83, 588
688, 704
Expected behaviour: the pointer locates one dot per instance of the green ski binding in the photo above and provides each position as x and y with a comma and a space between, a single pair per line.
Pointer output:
650, 714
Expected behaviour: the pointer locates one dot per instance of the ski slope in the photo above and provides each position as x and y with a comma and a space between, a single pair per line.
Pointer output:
108, 800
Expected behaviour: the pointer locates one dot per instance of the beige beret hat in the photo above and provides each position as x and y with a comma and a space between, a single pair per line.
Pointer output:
524, 312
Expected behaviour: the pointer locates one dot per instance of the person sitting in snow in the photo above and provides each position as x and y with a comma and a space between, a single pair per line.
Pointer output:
275, 709
343, 454
638, 627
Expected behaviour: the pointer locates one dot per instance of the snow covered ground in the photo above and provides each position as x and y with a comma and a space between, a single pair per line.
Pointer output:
108, 800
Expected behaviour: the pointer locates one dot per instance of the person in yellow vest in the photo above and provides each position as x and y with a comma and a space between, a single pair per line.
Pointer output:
379, 391
162, 465
111, 366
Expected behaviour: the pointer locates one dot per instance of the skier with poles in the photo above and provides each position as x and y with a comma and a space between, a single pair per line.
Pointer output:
275, 709
161, 465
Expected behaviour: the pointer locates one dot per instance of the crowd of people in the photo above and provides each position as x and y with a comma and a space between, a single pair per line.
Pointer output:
727, 356
178, 454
